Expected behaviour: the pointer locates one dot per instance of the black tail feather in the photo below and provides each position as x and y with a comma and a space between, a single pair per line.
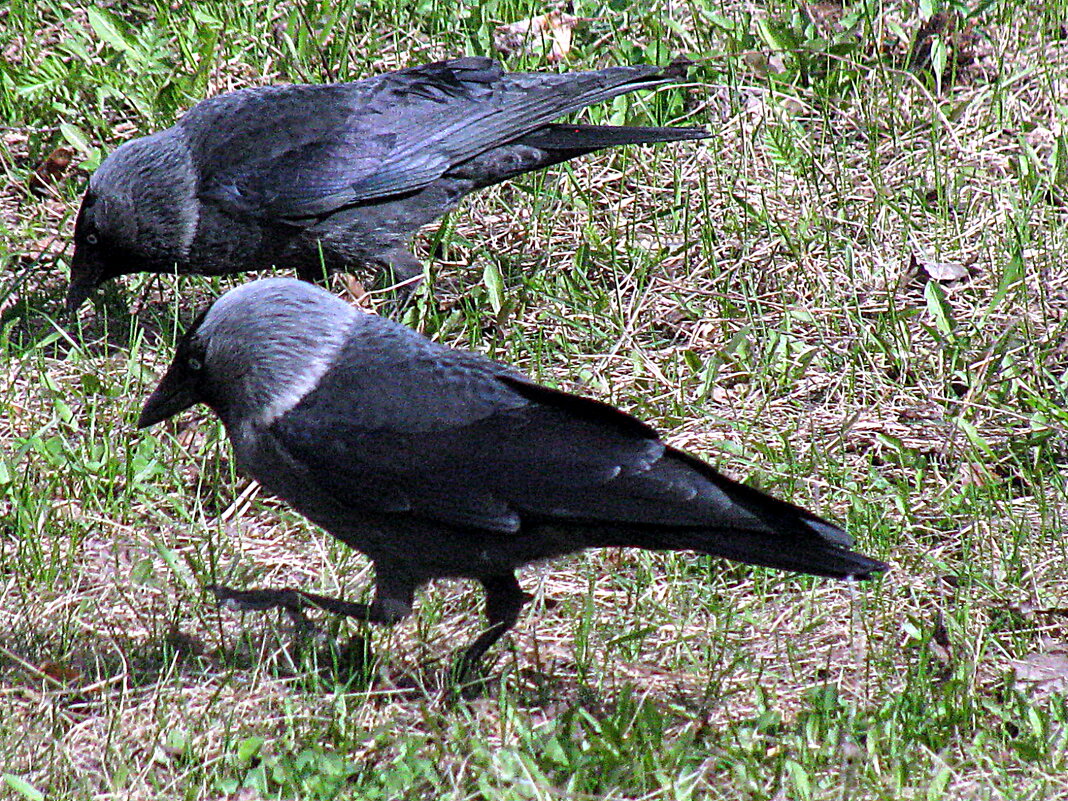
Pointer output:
588, 138
812, 555
794, 538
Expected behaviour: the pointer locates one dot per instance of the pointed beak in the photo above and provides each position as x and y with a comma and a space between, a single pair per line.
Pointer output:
175, 393
86, 274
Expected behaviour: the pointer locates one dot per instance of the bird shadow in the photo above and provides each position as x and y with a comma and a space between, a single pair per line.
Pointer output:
89, 675
34, 320
78, 674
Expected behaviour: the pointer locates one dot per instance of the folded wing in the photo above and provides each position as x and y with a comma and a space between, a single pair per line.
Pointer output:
451, 437
303, 151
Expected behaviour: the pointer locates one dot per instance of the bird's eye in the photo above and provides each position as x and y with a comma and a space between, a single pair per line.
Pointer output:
92, 239
195, 364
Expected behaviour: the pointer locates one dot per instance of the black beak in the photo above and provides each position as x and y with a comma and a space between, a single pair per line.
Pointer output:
86, 274
175, 393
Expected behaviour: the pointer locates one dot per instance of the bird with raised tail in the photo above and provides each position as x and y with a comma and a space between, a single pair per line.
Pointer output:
335, 176
440, 462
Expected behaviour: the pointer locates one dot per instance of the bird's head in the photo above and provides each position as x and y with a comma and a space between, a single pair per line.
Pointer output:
138, 214
254, 353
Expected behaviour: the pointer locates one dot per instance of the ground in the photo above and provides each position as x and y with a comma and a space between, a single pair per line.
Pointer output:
853, 295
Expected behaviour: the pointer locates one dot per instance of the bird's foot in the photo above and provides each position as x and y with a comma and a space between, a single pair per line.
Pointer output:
348, 661
292, 600
466, 680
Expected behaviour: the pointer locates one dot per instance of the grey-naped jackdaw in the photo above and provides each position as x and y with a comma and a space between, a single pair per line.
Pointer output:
440, 462
337, 176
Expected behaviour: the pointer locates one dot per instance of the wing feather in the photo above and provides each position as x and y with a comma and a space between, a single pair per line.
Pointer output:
305, 151
400, 424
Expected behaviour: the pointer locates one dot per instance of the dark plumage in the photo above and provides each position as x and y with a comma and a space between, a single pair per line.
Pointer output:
336, 175
438, 462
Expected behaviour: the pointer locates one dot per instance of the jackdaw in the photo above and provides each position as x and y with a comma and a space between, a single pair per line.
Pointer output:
439, 462
335, 176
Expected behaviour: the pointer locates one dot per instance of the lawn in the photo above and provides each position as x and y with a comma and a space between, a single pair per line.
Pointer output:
854, 295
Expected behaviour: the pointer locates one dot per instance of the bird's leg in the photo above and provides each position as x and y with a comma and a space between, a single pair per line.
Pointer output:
404, 269
402, 273
394, 595
314, 271
504, 601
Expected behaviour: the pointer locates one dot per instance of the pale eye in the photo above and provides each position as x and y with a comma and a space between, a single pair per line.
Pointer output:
91, 239
195, 364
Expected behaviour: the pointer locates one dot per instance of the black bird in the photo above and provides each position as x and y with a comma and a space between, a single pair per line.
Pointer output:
334, 176
439, 462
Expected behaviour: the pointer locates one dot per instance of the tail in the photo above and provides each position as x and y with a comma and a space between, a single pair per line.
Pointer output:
747, 525
553, 144
581, 139
792, 538
575, 90
799, 554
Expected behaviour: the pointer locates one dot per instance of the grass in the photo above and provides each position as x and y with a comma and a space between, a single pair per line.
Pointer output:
764, 299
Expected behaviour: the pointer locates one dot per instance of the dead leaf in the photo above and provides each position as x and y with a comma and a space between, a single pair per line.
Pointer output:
945, 270
51, 170
1030, 609
51, 248
970, 474
825, 15
1046, 672
941, 648
959, 37
941, 271
922, 411
16, 142
528, 35
763, 64
360, 296
723, 395
60, 673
